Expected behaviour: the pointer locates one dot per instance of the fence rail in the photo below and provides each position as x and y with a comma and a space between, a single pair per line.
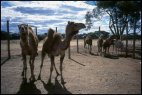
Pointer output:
11, 48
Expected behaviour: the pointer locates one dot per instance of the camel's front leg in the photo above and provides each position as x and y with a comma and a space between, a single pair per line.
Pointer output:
24, 66
31, 62
61, 67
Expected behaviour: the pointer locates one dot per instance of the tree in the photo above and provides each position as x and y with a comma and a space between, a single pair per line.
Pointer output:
88, 17
120, 12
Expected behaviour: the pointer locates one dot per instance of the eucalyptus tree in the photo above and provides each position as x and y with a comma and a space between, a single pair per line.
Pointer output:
121, 14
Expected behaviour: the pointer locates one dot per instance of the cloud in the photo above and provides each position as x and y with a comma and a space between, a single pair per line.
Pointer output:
33, 11
44, 14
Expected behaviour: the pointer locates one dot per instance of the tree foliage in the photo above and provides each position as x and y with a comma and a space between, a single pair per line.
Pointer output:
121, 13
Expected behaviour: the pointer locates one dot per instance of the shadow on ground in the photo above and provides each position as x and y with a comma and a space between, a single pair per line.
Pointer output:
111, 56
4, 61
77, 62
28, 88
56, 88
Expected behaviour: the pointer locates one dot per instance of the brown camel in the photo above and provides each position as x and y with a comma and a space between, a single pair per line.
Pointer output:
100, 44
54, 46
107, 43
88, 40
29, 46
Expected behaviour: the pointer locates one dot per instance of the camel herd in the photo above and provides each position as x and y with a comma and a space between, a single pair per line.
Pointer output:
53, 45
104, 45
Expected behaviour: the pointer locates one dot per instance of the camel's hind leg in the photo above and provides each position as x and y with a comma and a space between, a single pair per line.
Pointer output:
61, 68
42, 59
56, 69
51, 68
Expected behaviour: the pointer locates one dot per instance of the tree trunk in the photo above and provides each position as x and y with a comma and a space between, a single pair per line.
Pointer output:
126, 41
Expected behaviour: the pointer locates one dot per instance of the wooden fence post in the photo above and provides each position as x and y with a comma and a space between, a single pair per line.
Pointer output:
69, 52
77, 44
36, 30
126, 41
8, 40
56, 29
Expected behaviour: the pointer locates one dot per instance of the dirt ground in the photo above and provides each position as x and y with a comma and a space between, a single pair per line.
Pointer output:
83, 73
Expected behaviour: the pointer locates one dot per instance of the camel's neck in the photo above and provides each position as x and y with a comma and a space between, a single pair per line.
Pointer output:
24, 39
66, 41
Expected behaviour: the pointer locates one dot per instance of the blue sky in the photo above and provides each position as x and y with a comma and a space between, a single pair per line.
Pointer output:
48, 14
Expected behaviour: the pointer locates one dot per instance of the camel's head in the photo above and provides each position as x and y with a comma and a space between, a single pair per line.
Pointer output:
73, 28
23, 29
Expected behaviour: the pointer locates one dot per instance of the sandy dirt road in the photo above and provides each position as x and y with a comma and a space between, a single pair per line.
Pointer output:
83, 74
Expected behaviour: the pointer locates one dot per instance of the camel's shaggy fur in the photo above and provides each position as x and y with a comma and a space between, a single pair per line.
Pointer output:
107, 43
100, 44
88, 40
29, 46
54, 46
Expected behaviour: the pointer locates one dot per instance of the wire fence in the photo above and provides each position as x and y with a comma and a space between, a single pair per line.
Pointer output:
82, 50
10, 47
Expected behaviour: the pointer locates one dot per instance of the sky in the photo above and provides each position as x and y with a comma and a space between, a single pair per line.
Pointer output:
48, 14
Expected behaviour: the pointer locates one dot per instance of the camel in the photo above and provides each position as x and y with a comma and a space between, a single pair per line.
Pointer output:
100, 44
118, 44
107, 43
54, 46
88, 40
29, 46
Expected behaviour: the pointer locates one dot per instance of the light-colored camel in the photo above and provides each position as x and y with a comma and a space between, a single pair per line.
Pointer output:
100, 44
54, 46
107, 43
118, 44
88, 40
29, 46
